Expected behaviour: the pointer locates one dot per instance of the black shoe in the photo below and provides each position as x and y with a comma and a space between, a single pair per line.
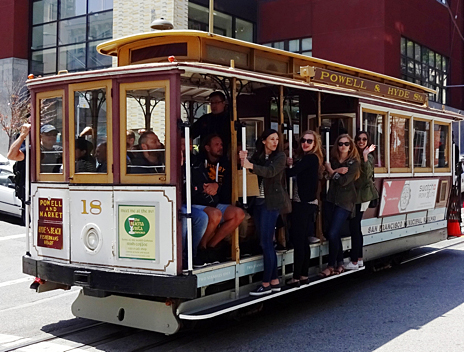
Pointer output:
304, 281
275, 287
293, 283
201, 260
217, 254
261, 290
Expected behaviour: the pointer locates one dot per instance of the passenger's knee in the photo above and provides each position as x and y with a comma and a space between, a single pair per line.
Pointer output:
215, 216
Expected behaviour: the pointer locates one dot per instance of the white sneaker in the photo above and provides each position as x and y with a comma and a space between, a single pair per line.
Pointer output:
314, 240
360, 263
352, 266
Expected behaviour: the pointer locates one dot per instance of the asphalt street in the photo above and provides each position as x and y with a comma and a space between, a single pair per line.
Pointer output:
418, 306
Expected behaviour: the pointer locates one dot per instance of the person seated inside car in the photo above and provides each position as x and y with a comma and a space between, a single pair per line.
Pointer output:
211, 185
149, 159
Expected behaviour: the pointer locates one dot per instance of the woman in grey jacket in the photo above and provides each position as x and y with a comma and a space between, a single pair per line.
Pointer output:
269, 164
366, 192
343, 170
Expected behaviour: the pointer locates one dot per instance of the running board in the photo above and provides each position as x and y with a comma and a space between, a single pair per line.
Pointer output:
248, 300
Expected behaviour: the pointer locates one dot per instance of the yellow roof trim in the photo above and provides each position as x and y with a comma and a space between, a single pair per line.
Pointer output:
111, 48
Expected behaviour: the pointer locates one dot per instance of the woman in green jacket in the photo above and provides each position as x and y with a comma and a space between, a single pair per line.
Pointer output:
269, 164
343, 170
366, 192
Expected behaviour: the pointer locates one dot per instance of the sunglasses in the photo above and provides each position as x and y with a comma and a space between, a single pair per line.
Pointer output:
361, 139
308, 141
343, 143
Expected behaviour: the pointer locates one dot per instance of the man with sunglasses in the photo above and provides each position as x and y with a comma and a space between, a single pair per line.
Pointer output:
216, 122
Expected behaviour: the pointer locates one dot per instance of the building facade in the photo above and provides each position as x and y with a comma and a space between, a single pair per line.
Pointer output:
417, 40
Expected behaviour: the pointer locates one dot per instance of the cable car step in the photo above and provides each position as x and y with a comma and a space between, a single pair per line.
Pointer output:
246, 300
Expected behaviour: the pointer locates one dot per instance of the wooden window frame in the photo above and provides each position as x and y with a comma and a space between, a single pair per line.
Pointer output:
448, 147
91, 177
430, 167
56, 177
386, 138
403, 169
144, 178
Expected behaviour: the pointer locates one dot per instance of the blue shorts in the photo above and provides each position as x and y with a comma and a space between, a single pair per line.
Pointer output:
220, 206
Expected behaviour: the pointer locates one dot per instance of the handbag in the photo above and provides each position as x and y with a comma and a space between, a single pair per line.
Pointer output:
374, 203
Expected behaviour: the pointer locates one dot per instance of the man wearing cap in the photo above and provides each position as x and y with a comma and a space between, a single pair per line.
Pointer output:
51, 158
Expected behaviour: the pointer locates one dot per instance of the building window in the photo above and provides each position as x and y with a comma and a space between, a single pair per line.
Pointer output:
423, 66
224, 24
65, 34
300, 46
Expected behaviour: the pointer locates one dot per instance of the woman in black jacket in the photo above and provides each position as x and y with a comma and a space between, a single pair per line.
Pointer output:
309, 159
343, 170
269, 164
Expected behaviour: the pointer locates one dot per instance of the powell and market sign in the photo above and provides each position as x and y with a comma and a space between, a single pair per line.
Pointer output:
334, 78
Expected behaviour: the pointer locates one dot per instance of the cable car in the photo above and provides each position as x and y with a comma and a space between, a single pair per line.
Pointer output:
106, 220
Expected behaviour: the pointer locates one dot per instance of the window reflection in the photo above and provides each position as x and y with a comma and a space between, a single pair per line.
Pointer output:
146, 134
51, 133
421, 144
90, 121
399, 142
374, 124
440, 143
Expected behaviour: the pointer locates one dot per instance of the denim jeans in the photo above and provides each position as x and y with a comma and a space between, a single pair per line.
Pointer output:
337, 217
199, 224
265, 222
356, 235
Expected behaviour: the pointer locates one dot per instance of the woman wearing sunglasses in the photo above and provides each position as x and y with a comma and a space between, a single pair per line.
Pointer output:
269, 164
343, 170
308, 161
366, 192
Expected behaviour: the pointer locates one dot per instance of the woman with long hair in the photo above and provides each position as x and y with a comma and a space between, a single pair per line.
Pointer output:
269, 164
309, 159
343, 170
366, 192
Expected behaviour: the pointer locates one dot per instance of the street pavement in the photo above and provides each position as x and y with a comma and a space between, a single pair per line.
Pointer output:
418, 306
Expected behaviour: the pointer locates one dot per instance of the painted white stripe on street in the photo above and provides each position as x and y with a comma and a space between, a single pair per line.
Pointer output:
8, 338
16, 281
73, 292
16, 343
9, 237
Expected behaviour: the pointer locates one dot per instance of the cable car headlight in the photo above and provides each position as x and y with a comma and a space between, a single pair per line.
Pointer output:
91, 237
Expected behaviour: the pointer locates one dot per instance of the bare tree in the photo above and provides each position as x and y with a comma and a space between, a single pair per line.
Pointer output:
16, 107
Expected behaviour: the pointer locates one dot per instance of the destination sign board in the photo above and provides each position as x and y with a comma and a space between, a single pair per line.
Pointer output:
363, 85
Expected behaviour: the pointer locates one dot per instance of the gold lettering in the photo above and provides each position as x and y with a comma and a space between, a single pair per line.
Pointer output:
324, 75
341, 79
391, 91
362, 85
333, 78
349, 81
406, 95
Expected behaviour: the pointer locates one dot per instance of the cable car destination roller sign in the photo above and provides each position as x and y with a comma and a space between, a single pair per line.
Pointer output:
361, 84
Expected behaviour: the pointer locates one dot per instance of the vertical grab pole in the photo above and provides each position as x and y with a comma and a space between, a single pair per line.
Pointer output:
27, 201
189, 199
244, 191
327, 158
290, 154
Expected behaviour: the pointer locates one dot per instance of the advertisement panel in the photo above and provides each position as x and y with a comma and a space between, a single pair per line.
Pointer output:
403, 196
137, 235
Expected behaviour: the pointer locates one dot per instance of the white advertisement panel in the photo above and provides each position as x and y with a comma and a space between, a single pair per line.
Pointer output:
403, 196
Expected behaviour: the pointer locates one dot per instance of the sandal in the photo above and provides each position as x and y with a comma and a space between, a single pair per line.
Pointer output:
329, 271
340, 269
293, 283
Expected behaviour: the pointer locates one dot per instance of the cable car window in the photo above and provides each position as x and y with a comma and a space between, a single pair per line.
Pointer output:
399, 142
440, 145
146, 131
374, 124
421, 144
51, 135
90, 131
